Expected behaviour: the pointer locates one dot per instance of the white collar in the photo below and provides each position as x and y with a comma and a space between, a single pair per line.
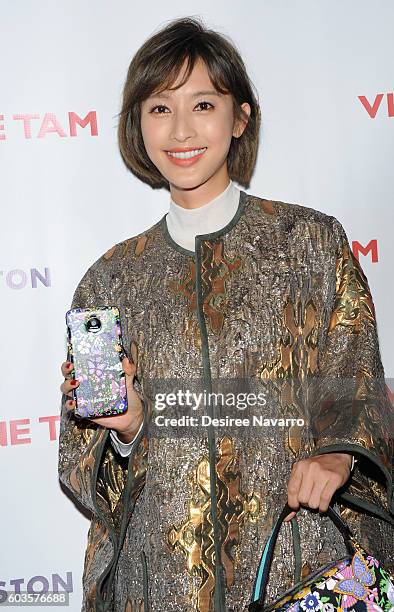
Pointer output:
184, 224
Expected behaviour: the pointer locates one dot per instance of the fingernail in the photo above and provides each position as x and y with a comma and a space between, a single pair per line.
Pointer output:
68, 364
74, 382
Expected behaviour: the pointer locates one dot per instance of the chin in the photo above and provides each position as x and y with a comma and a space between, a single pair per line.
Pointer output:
186, 182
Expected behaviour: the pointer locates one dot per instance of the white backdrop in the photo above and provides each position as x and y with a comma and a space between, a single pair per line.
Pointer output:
324, 74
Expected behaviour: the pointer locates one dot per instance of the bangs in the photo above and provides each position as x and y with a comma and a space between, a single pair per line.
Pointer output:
165, 71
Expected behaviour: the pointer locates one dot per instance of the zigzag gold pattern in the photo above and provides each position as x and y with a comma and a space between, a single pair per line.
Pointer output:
216, 269
195, 537
298, 349
297, 359
134, 605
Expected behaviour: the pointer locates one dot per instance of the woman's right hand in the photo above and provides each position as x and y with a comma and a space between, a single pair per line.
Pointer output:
126, 424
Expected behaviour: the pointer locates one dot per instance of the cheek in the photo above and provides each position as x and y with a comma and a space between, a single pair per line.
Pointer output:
218, 132
149, 130
145, 135
150, 134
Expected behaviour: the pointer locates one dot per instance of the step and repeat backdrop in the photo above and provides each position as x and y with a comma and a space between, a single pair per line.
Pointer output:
324, 76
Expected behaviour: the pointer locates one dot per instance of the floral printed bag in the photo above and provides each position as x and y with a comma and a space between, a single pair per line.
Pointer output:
356, 582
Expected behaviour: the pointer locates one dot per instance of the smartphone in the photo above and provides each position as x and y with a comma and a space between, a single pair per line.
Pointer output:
94, 338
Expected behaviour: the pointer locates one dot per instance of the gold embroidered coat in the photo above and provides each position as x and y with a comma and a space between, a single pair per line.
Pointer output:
275, 297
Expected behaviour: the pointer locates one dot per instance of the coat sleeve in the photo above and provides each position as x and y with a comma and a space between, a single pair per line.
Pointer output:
351, 411
88, 466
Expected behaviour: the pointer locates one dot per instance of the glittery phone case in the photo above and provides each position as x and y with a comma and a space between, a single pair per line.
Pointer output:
95, 348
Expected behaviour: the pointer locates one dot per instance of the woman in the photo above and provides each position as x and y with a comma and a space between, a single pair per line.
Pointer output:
226, 287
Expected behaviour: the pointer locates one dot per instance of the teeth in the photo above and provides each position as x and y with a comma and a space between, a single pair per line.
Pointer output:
187, 154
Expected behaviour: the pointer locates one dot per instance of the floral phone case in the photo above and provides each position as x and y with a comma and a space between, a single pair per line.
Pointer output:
95, 349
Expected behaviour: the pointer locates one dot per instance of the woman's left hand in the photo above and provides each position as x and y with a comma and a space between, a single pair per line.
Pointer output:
313, 481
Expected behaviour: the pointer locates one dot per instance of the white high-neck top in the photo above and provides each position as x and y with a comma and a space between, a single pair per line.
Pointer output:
185, 224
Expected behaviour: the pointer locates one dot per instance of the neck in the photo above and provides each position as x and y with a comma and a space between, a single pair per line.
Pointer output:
199, 196
184, 224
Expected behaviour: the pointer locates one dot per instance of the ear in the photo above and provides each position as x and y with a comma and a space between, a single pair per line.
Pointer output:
241, 124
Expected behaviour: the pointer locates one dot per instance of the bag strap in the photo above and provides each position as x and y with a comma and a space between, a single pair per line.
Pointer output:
264, 567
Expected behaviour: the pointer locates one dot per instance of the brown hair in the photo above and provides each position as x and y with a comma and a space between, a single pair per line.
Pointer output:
157, 64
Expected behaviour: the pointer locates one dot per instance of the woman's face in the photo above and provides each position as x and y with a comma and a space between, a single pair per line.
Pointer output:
192, 118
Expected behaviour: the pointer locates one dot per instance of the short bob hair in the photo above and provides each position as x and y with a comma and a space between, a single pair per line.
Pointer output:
155, 68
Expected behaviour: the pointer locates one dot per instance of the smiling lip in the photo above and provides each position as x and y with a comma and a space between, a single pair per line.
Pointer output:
182, 150
184, 162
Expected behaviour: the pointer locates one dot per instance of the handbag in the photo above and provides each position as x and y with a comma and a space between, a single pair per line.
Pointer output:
356, 582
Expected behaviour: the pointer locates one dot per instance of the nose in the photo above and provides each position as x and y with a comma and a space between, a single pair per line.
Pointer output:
182, 127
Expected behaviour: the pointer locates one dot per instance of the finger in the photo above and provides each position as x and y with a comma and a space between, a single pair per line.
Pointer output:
308, 481
128, 366
66, 368
68, 385
315, 496
70, 404
327, 493
293, 486
289, 517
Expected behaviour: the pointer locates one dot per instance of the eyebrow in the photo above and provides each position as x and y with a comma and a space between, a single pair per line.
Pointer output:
195, 94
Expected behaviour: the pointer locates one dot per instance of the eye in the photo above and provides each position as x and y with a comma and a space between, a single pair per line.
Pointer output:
161, 106
204, 102
158, 106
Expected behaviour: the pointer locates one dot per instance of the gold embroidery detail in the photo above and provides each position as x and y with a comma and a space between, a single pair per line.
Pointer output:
81, 475
305, 570
140, 246
134, 605
298, 348
216, 269
234, 507
126, 245
195, 536
110, 252
268, 207
297, 359
111, 480
353, 299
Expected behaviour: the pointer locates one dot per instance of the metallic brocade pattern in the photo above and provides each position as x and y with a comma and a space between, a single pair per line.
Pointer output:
281, 299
